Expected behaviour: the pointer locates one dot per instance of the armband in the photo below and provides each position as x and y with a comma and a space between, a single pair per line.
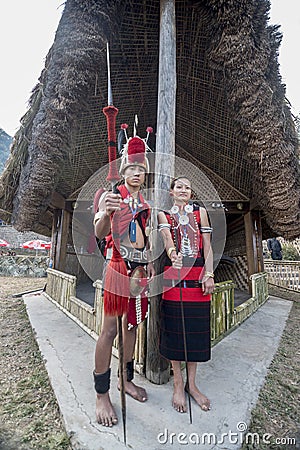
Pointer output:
171, 249
206, 229
161, 226
209, 275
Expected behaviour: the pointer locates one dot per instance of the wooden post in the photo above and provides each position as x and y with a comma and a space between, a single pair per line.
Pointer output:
157, 368
259, 244
251, 246
59, 204
62, 240
166, 105
55, 225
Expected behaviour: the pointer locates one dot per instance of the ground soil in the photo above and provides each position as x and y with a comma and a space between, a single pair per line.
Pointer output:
29, 413
277, 412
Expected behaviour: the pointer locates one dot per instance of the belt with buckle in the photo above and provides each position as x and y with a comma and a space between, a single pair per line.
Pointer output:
133, 254
183, 283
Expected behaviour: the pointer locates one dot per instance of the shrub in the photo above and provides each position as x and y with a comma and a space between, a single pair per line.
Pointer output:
290, 253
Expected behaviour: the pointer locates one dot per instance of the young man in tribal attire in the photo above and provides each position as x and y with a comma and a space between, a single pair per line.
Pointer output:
188, 282
122, 220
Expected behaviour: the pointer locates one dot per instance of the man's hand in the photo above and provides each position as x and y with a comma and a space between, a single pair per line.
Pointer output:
112, 203
108, 204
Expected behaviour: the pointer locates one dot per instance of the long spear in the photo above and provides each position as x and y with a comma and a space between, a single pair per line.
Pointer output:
111, 112
184, 334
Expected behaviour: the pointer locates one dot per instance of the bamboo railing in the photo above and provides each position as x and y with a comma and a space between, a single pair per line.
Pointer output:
259, 296
222, 309
61, 289
285, 274
224, 316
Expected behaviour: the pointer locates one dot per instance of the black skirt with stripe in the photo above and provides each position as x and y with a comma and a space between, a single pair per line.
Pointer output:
197, 328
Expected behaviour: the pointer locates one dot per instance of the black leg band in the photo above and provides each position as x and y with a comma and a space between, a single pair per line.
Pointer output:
102, 382
129, 370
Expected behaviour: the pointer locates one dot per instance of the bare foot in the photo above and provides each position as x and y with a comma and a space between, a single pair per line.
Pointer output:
199, 398
105, 412
136, 392
178, 400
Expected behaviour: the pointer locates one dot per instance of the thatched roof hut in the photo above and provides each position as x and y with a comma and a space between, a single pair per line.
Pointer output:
232, 118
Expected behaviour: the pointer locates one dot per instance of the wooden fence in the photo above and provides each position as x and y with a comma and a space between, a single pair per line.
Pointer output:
224, 315
285, 274
61, 289
222, 309
259, 296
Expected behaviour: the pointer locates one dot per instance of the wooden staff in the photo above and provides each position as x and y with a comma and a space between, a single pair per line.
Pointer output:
183, 333
113, 177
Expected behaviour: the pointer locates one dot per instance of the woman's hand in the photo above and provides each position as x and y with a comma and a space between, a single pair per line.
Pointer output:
208, 286
176, 259
150, 271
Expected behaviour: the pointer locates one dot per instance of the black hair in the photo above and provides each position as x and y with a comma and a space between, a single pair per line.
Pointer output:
176, 179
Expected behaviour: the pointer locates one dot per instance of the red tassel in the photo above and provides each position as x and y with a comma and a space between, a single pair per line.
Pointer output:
116, 287
111, 114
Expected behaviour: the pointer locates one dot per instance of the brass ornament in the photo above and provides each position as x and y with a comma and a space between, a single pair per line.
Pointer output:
138, 281
184, 220
188, 208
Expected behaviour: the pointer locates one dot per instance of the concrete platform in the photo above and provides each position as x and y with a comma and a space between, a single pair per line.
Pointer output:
232, 380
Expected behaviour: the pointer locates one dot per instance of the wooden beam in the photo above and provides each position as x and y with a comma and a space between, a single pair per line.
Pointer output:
236, 207
57, 201
166, 105
62, 240
251, 246
55, 224
259, 239
157, 368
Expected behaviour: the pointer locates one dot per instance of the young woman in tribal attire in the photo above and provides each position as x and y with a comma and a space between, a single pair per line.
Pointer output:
188, 277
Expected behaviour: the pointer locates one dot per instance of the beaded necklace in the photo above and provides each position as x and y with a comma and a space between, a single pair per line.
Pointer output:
133, 204
186, 227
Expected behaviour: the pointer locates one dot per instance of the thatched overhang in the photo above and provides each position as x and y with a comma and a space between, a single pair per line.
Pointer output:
232, 118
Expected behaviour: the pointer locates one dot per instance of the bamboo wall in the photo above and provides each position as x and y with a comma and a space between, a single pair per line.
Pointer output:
237, 273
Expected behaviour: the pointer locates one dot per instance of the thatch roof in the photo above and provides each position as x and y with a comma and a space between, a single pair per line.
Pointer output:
231, 113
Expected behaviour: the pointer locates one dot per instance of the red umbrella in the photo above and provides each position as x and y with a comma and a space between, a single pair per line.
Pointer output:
36, 244
47, 245
4, 243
